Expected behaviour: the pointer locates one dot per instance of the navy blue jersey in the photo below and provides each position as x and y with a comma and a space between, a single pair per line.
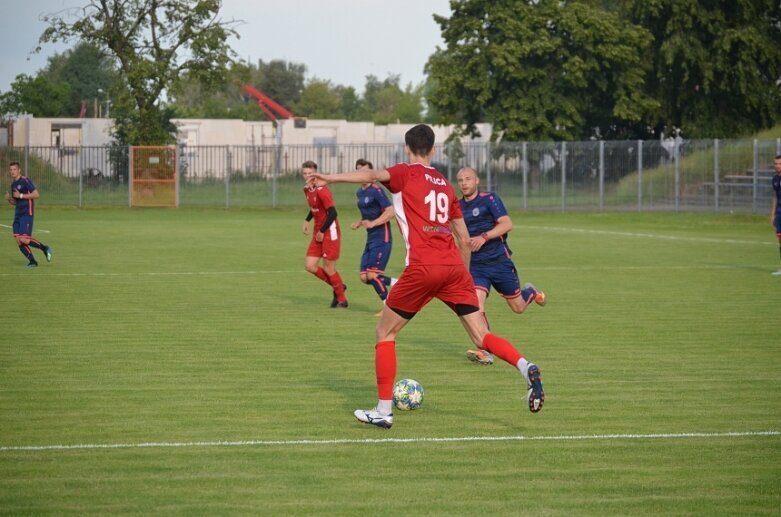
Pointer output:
23, 185
777, 189
372, 202
480, 215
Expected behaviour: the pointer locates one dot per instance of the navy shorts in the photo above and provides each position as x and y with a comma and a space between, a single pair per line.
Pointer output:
23, 225
778, 224
375, 256
500, 274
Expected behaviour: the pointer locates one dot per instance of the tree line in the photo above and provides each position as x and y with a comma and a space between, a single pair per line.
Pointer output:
534, 69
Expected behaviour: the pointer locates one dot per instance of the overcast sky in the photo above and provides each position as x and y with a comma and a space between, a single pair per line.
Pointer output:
340, 40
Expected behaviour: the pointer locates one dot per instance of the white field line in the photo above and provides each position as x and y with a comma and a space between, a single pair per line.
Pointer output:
769, 242
379, 441
168, 273
11, 228
697, 267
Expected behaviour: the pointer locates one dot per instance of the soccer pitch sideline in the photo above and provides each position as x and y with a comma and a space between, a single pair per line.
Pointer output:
182, 362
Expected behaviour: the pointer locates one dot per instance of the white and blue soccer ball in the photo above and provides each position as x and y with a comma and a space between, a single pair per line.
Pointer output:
407, 394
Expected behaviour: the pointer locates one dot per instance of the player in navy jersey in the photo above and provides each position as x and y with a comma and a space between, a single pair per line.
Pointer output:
488, 223
23, 195
775, 211
376, 213
437, 243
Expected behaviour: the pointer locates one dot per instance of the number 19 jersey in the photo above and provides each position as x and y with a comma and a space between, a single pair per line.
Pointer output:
425, 202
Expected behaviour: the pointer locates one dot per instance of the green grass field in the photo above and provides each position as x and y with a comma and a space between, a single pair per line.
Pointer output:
182, 362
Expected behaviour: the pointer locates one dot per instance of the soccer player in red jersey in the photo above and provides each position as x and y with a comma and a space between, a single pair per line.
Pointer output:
325, 242
428, 213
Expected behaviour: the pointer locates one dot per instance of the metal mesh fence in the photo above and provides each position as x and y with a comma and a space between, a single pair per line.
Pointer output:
690, 175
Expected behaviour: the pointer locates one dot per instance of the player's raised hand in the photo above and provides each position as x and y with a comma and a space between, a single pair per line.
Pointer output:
315, 179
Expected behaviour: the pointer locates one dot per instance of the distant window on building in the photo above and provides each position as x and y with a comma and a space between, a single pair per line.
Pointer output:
325, 144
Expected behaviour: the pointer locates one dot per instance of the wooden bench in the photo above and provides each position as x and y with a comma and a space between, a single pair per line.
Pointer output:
737, 185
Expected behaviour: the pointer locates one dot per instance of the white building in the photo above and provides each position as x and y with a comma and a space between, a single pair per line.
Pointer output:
29, 131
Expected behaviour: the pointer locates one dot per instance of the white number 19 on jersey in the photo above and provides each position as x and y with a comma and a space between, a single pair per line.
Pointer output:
437, 206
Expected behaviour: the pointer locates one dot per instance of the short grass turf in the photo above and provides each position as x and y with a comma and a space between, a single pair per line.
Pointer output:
186, 364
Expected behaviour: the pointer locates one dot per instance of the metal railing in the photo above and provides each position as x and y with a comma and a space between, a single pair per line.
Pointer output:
682, 175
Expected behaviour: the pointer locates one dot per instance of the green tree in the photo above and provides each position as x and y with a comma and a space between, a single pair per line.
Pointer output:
716, 63
189, 99
539, 70
351, 102
154, 42
89, 72
384, 102
319, 100
281, 80
38, 96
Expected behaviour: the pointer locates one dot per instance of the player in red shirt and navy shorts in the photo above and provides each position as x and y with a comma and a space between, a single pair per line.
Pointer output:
428, 214
323, 251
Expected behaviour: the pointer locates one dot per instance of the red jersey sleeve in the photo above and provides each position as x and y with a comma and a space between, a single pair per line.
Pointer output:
325, 197
398, 176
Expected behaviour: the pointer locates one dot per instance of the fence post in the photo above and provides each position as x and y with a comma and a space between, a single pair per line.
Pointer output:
563, 176
489, 178
177, 178
450, 161
639, 175
601, 175
677, 168
716, 174
274, 173
228, 176
81, 176
525, 170
755, 179
130, 176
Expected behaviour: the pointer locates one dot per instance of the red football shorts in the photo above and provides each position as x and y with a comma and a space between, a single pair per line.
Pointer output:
418, 285
328, 249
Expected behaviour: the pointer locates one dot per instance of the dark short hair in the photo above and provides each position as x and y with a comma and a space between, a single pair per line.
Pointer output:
360, 162
14, 163
420, 139
778, 157
309, 164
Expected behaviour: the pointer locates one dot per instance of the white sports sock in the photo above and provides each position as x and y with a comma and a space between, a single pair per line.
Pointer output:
523, 367
385, 407
393, 281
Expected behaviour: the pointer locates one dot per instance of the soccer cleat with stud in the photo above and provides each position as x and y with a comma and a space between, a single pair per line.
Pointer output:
534, 383
32, 264
539, 296
334, 301
480, 356
342, 305
373, 417
48, 252
776, 273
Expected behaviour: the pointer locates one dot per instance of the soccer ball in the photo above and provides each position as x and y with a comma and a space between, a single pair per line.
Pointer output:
407, 394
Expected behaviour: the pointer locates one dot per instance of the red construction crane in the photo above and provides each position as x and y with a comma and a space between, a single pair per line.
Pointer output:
272, 110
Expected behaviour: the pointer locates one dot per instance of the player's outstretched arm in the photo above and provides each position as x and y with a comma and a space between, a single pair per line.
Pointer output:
362, 176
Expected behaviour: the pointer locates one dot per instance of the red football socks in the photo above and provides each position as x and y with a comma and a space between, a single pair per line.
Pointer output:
501, 348
385, 368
